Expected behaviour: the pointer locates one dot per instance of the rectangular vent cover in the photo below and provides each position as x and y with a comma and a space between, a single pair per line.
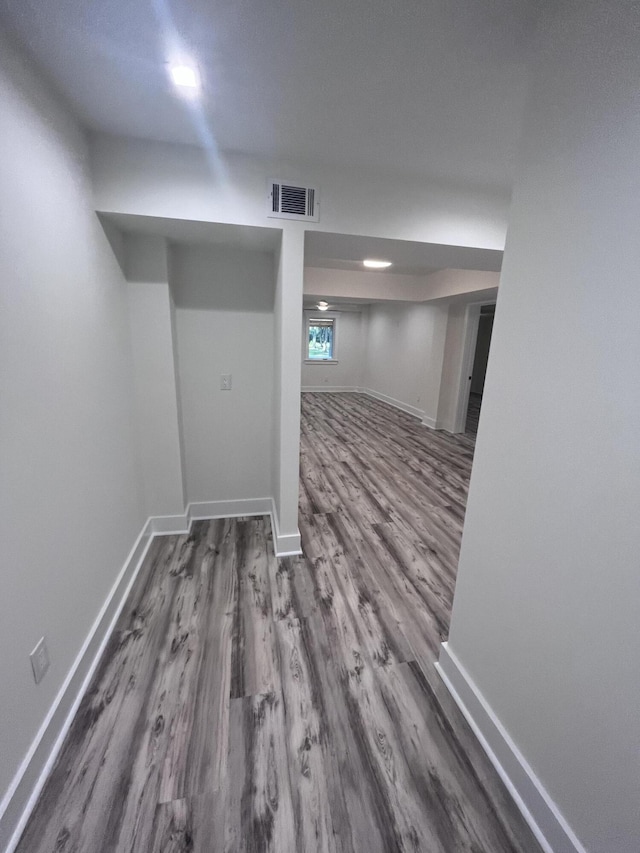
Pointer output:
290, 201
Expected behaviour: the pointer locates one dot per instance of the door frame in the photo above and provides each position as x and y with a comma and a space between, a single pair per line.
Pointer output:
470, 339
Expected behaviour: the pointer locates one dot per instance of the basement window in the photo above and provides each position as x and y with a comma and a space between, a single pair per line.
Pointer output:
321, 339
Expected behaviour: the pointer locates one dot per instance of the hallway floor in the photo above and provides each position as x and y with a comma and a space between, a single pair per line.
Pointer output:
246, 703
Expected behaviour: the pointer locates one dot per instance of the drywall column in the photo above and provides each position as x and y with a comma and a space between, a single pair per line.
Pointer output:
438, 315
545, 617
287, 373
454, 357
152, 323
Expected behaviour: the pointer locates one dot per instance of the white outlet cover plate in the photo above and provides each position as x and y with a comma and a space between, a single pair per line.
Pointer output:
40, 660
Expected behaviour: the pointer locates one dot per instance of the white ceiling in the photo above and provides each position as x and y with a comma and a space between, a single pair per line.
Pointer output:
422, 87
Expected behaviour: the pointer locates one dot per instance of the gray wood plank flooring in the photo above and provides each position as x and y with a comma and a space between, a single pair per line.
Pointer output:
246, 703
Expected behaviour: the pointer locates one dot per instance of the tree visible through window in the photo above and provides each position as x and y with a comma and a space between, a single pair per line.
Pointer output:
321, 338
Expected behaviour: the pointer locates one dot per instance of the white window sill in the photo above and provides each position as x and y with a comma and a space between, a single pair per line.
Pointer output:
321, 361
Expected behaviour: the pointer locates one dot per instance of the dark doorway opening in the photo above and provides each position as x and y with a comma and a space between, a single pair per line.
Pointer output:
478, 374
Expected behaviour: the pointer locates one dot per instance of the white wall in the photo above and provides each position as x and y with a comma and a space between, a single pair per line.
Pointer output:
405, 345
285, 409
350, 345
174, 181
276, 401
451, 282
454, 349
151, 323
545, 617
356, 284
176, 371
71, 506
164, 180
224, 324
359, 284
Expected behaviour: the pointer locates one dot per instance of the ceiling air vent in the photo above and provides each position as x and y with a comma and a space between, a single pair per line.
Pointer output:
290, 201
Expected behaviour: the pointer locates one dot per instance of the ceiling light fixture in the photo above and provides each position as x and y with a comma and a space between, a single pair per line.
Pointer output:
322, 305
372, 264
185, 77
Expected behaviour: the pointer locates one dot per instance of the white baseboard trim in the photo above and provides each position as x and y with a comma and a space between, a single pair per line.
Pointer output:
330, 389
23, 792
285, 544
19, 800
202, 510
164, 525
541, 813
398, 404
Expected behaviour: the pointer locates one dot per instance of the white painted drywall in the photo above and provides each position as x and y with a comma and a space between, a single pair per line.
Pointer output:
176, 373
545, 617
350, 344
70, 502
287, 375
159, 179
357, 284
451, 366
405, 345
150, 317
438, 316
224, 324
276, 398
443, 284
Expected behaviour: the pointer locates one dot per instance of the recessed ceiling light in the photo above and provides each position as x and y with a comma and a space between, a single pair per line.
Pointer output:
185, 77
372, 264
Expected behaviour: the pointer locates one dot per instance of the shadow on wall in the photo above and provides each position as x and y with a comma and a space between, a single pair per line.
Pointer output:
219, 278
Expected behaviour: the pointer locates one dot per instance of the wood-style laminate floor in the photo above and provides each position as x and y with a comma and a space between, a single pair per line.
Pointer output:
246, 703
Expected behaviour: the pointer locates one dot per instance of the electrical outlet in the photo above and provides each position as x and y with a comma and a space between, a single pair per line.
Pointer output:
40, 660
225, 382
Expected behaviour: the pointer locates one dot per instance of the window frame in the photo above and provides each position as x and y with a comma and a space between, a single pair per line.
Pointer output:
309, 316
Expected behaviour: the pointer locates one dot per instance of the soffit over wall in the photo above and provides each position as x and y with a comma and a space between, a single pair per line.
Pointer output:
420, 272
347, 251
191, 231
